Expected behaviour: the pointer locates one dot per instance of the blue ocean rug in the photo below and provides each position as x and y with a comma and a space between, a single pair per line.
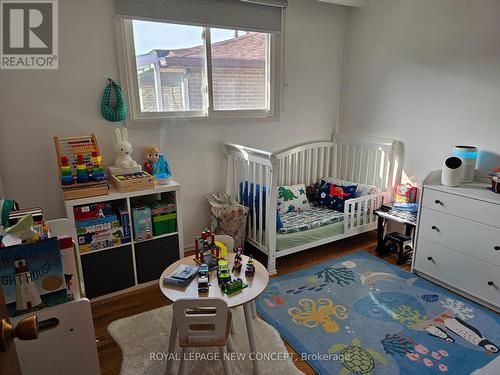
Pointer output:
358, 314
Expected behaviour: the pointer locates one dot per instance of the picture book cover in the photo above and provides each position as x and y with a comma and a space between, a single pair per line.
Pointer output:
32, 276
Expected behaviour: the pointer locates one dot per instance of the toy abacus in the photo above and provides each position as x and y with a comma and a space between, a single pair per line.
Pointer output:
71, 147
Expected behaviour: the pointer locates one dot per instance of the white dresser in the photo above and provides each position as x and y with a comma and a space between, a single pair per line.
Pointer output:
458, 239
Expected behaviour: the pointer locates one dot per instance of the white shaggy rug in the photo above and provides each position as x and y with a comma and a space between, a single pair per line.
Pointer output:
143, 339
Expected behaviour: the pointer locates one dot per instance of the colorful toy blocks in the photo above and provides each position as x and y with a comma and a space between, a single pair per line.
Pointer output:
66, 175
97, 169
82, 175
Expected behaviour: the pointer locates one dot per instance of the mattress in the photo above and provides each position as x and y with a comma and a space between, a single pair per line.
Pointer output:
286, 241
294, 222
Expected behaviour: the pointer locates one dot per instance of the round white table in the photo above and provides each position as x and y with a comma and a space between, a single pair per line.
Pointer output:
245, 297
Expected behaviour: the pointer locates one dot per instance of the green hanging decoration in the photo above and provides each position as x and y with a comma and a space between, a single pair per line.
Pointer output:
115, 113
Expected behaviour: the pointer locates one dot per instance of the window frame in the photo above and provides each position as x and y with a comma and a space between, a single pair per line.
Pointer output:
128, 74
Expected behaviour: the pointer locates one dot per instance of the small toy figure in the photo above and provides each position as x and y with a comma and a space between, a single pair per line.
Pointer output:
82, 175
66, 175
237, 261
250, 268
123, 150
97, 169
203, 278
223, 275
151, 154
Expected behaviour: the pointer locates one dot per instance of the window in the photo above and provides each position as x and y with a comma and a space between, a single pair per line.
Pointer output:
192, 71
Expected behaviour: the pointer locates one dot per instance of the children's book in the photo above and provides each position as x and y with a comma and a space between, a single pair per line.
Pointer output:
32, 276
182, 275
184, 272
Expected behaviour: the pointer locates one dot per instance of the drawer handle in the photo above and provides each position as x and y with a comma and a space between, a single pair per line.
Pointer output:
497, 248
435, 228
491, 283
429, 258
437, 201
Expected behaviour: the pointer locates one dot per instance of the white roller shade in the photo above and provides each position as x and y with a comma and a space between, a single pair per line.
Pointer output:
262, 16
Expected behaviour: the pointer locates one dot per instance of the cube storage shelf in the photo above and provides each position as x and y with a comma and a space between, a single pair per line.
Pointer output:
127, 266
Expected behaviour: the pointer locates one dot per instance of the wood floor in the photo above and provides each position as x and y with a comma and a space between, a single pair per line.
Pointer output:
106, 311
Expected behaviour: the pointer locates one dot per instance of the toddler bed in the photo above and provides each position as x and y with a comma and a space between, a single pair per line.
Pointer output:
261, 181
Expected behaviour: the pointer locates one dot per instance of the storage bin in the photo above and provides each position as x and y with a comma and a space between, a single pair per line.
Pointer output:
228, 217
164, 223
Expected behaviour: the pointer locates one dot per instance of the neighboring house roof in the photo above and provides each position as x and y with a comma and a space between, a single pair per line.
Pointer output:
246, 51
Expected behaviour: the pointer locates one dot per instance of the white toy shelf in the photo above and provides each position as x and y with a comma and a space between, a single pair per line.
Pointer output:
121, 268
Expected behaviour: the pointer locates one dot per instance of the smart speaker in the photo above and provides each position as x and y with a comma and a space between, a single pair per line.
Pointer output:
468, 155
451, 173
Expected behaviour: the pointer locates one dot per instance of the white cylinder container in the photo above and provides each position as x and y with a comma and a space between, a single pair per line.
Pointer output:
451, 174
468, 155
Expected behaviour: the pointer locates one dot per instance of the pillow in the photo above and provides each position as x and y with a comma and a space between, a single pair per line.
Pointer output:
362, 190
292, 198
334, 196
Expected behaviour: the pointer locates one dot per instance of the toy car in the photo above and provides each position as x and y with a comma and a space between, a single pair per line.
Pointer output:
233, 286
203, 284
250, 268
223, 275
203, 270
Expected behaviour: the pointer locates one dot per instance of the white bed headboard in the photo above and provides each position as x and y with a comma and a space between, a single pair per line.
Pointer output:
363, 160
370, 161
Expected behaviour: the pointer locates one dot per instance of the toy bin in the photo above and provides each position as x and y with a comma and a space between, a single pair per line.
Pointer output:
164, 223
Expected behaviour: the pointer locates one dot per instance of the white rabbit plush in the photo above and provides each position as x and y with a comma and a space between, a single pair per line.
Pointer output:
123, 150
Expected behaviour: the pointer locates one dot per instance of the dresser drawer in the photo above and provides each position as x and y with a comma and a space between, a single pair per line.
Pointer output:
469, 237
457, 205
465, 273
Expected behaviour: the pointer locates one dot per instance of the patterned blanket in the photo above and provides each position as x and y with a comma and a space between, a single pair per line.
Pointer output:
305, 220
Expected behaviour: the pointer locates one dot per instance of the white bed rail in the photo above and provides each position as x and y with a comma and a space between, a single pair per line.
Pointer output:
359, 213
254, 170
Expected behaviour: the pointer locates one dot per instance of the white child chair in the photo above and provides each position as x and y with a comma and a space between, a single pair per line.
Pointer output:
202, 322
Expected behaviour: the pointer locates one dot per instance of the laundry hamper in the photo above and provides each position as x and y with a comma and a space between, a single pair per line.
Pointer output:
227, 216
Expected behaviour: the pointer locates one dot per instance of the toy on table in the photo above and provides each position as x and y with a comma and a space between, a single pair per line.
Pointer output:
123, 150
66, 175
206, 250
237, 261
82, 175
203, 278
250, 268
97, 169
233, 286
223, 275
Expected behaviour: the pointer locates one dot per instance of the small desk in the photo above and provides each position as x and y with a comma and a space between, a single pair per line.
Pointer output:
407, 218
256, 285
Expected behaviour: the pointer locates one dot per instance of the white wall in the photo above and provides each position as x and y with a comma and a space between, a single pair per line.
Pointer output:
426, 72
37, 105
